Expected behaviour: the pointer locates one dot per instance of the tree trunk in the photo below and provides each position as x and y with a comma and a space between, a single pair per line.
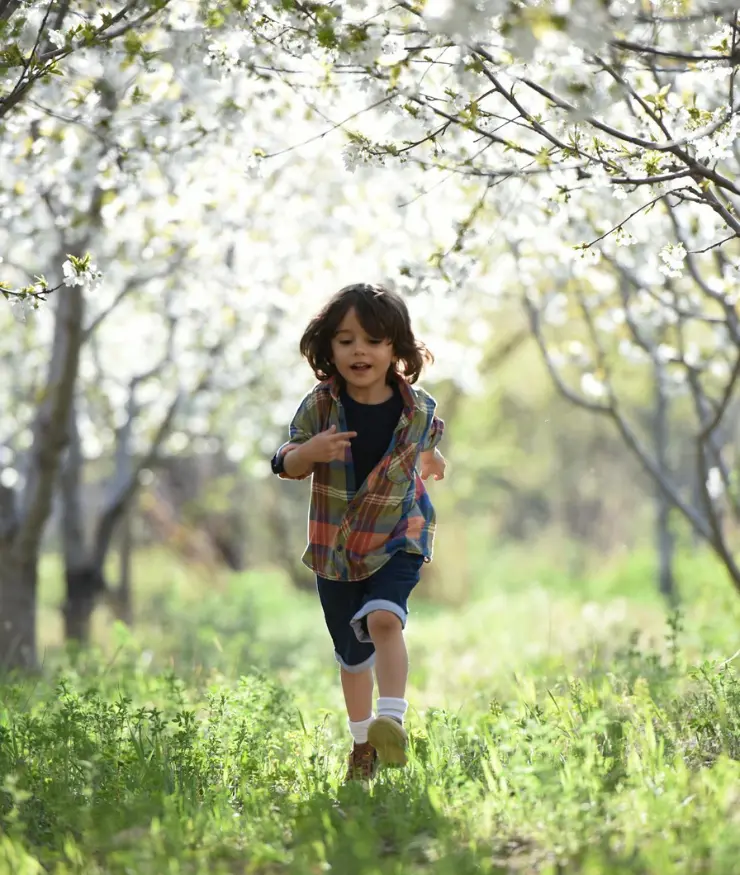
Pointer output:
21, 544
665, 542
18, 594
82, 581
84, 585
122, 596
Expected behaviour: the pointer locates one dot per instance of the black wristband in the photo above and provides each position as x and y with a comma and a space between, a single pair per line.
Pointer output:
278, 463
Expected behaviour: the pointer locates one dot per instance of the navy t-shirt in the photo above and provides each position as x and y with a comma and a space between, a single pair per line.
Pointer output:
374, 424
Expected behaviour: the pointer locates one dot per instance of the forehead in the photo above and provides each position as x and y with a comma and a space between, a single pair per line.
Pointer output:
350, 323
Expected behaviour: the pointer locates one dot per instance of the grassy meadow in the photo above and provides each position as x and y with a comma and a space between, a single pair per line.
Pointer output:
559, 723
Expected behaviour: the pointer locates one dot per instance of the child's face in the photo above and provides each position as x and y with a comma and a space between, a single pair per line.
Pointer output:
361, 360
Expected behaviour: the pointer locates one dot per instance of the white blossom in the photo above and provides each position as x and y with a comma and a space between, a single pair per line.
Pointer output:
625, 238
22, 307
673, 256
75, 277
555, 311
71, 277
351, 155
57, 38
715, 486
592, 386
9, 478
254, 167
588, 24
465, 19
631, 352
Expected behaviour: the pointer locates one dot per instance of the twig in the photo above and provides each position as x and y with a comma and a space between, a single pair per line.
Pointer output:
713, 246
625, 220
669, 53
731, 659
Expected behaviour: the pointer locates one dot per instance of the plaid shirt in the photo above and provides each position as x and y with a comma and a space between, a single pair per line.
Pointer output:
353, 534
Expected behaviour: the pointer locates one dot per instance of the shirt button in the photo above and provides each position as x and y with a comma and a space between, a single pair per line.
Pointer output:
340, 548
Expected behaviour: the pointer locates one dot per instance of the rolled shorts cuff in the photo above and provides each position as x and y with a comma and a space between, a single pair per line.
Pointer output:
356, 669
369, 608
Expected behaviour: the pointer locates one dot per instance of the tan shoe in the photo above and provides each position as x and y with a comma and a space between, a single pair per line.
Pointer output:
363, 763
390, 740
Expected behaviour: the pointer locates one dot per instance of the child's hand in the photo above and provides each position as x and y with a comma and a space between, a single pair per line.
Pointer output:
433, 464
328, 445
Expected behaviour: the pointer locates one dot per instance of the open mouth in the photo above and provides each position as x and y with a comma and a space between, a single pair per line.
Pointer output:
360, 367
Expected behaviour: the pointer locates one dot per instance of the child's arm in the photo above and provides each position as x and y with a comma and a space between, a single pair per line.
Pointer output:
322, 447
296, 465
303, 427
432, 462
307, 444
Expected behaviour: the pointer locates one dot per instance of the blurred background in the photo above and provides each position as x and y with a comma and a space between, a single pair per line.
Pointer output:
222, 209
182, 187
189, 373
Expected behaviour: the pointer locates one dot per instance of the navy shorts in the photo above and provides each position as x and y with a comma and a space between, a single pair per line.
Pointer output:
347, 605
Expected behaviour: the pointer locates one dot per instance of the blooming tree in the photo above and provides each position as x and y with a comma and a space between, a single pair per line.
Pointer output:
95, 159
210, 259
599, 145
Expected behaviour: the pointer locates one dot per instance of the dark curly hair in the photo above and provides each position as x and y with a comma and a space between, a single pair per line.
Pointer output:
382, 314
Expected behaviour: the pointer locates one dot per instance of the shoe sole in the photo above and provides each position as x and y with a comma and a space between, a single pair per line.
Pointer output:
389, 739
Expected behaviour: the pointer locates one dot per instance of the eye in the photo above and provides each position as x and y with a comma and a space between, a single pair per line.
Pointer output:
376, 342
344, 342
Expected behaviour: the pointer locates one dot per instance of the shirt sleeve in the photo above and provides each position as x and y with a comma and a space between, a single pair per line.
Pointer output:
303, 426
434, 434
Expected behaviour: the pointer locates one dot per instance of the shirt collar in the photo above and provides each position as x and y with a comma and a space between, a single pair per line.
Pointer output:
407, 396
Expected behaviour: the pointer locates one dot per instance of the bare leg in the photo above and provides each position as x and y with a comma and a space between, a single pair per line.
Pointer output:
391, 657
358, 694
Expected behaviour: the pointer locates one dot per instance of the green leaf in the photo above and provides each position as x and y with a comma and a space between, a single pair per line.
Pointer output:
215, 18
543, 157
12, 56
132, 43
326, 36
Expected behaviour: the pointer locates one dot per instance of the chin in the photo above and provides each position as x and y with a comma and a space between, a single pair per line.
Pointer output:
361, 377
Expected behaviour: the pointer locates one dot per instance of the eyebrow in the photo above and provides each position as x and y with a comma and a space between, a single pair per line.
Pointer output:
343, 331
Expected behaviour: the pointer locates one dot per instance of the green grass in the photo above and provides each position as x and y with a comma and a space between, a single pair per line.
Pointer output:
554, 730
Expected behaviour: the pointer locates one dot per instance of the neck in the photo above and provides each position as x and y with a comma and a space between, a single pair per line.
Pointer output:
375, 394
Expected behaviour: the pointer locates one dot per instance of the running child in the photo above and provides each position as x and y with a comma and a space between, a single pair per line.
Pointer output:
369, 439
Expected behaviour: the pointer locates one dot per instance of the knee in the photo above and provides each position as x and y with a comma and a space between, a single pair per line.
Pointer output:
382, 624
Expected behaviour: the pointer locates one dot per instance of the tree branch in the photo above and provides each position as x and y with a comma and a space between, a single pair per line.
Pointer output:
632, 215
7, 8
731, 317
104, 34
673, 146
509, 96
133, 284
711, 425
627, 433
129, 483
693, 57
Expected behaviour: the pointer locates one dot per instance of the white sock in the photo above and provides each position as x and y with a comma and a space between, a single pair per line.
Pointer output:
359, 729
390, 707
